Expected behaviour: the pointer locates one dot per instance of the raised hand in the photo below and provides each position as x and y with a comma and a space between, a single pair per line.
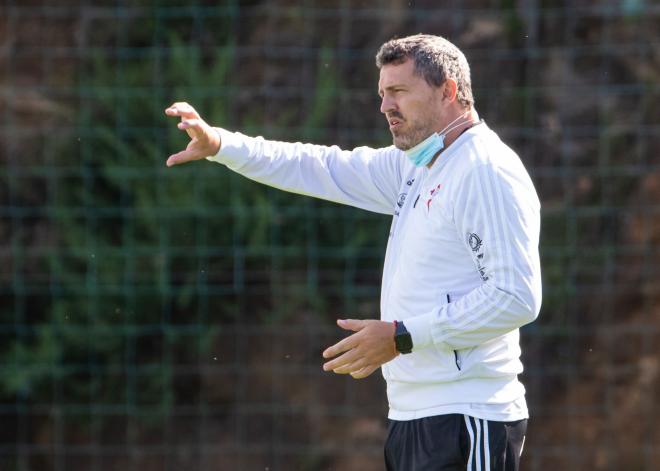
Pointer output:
204, 140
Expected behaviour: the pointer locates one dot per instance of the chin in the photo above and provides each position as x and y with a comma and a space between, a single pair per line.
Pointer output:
400, 144
396, 142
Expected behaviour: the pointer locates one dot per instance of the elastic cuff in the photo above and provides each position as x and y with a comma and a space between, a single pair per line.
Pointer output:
234, 148
420, 330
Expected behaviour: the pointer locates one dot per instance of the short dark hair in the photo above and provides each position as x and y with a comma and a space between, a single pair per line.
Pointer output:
435, 58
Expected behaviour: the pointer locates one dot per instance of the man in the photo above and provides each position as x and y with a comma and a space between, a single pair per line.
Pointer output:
462, 270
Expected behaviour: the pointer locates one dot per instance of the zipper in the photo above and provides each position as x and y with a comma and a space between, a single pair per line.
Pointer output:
422, 181
456, 359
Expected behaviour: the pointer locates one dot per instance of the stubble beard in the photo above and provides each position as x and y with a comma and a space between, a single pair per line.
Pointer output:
408, 139
419, 128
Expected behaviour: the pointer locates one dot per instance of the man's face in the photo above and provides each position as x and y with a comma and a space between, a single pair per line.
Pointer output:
411, 106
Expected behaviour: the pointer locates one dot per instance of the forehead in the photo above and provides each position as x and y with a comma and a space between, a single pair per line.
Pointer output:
399, 74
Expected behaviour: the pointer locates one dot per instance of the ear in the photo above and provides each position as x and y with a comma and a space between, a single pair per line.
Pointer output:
449, 90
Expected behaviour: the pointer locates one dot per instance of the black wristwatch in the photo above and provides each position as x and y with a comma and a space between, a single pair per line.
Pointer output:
402, 338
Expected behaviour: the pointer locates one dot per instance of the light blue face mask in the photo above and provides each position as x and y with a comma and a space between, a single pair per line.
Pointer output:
424, 152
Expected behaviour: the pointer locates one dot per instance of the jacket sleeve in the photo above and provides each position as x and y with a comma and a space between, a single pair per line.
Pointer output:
365, 178
497, 214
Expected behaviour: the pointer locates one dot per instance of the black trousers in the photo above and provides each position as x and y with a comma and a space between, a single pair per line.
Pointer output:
454, 442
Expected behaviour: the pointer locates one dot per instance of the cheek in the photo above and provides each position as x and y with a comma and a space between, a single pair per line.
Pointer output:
414, 109
418, 105
430, 110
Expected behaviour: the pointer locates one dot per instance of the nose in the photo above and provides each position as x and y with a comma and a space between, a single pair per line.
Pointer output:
387, 104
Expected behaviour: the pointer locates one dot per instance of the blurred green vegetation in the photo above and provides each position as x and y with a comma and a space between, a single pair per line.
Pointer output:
137, 299
144, 273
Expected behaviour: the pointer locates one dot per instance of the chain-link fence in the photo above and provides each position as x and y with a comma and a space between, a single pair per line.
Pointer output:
156, 318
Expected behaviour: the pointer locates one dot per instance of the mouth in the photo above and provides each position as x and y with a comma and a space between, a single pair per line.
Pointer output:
395, 123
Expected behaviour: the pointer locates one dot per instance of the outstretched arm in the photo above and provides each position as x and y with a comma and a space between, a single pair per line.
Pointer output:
364, 177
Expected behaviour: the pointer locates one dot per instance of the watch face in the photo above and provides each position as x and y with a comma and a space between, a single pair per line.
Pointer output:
404, 342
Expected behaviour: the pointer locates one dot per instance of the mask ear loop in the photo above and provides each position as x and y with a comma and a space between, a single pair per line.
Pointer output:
454, 127
446, 131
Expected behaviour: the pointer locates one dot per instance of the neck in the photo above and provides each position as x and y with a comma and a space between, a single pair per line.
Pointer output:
471, 118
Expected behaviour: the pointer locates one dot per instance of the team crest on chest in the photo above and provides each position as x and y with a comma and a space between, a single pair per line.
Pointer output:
432, 194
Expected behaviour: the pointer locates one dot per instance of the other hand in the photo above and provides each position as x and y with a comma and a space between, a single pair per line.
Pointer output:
204, 140
363, 352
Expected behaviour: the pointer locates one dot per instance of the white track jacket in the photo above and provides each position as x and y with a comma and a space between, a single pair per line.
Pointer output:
462, 265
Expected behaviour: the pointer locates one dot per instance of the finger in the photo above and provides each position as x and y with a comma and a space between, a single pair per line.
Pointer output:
192, 126
340, 347
181, 158
182, 109
189, 123
351, 324
363, 372
178, 108
342, 361
351, 367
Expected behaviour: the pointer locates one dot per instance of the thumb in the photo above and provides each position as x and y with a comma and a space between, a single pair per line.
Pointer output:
350, 324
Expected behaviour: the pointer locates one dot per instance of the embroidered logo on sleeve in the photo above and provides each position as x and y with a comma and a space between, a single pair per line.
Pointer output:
476, 244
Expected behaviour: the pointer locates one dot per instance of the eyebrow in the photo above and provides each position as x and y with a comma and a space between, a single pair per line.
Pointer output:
390, 87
